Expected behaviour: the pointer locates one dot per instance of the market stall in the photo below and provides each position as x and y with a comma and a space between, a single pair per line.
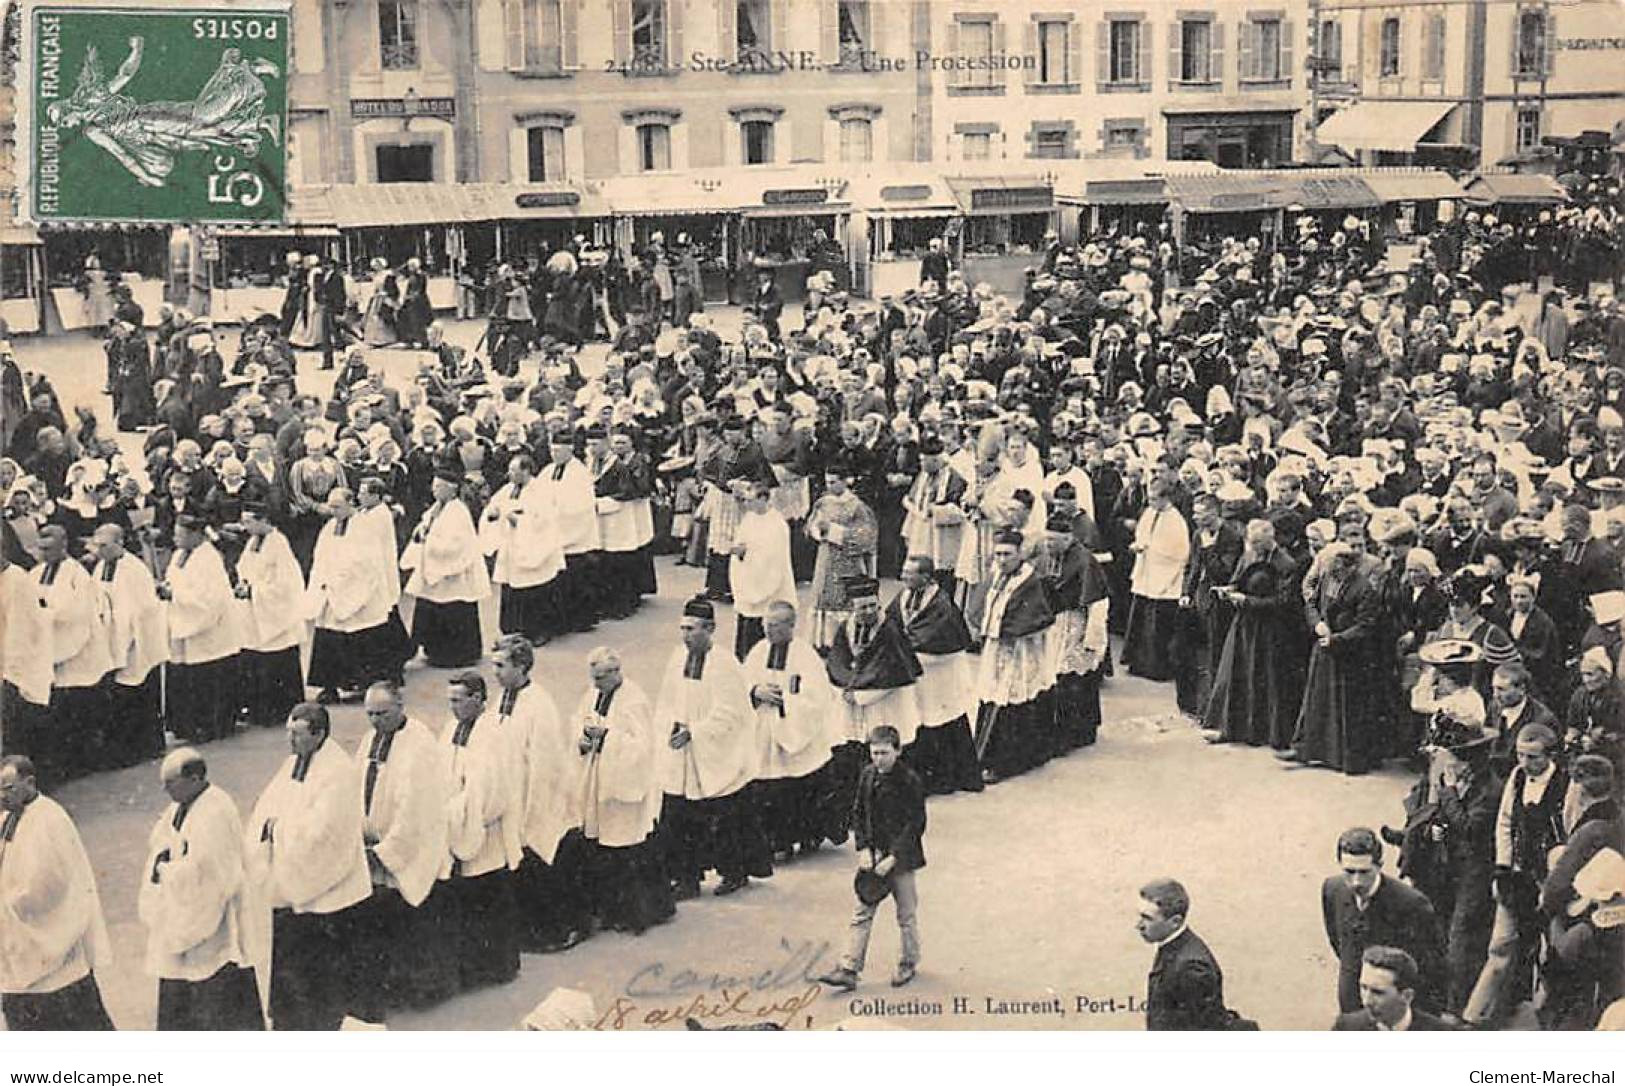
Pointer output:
240, 272
1411, 199
1003, 226
542, 218
796, 222
21, 276
1242, 203
1515, 195
1115, 195
77, 293
672, 204
895, 215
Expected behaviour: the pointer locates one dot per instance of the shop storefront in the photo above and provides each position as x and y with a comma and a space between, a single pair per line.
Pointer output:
670, 205
1233, 138
21, 278
895, 217
77, 288
797, 230
1259, 203
1002, 228
544, 218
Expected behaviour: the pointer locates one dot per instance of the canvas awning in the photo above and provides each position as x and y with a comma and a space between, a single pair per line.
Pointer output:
380, 205
1260, 190
1515, 188
752, 192
1392, 188
1002, 195
17, 234
1382, 126
900, 194
1144, 190
309, 215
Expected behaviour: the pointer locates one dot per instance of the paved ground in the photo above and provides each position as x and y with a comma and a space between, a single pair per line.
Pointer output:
1029, 894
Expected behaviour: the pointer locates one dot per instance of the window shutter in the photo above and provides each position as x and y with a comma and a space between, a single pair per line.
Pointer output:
570, 34
1176, 31
784, 144
1549, 45
727, 30
1287, 28
1245, 33
1030, 47
829, 31
513, 33
1074, 52
676, 15
1216, 56
574, 153
621, 18
1000, 75
677, 145
1103, 52
780, 35
1514, 68
1142, 59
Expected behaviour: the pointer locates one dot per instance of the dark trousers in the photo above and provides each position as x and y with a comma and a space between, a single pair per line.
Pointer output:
485, 927
1077, 709
747, 632
725, 834
72, 744
203, 699
77, 1006
553, 899
228, 1000
579, 590
628, 887
310, 971
135, 725
402, 955
272, 685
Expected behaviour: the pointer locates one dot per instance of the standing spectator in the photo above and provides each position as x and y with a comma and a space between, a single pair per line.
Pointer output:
1185, 990
1362, 907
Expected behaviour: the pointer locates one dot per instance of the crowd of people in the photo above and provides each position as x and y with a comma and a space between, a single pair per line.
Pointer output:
1353, 516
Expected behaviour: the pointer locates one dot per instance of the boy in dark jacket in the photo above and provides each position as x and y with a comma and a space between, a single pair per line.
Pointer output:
888, 821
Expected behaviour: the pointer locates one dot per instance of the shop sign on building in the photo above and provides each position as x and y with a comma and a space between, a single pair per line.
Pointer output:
368, 109
773, 197
154, 111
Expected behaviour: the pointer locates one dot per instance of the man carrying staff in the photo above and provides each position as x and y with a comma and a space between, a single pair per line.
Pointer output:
202, 941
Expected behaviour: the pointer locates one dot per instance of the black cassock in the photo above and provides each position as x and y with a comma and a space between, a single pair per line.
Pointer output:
1258, 686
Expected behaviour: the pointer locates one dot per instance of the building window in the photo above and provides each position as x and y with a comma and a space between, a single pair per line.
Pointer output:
752, 34
853, 31
545, 152
398, 34
1123, 136
535, 32
1123, 51
1050, 142
1330, 48
857, 140
1528, 128
757, 142
1054, 51
976, 41
1195, 51
404, 162
976, 146
648, 34
654, 147
1265, 64
1433, 49
1531, 57
1388, 49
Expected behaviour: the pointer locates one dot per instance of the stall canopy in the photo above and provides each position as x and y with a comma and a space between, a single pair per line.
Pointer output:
902, 194
379, 205
1106, 181
1269, 190
309, 215
1382, 126
750, 191
17, 234
1396, 186
1515, 188
1002, 195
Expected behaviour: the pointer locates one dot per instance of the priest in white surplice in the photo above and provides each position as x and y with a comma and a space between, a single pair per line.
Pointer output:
617, 741
710, 757
484, 816
52, 935
550, 884
26, 664
81, 659
350, 598
204, 637
449, 578
376, 516
569, 486
307, 864
796, 732
519, 528
271, 595
138, 643
404, 956
760, 571
199, 942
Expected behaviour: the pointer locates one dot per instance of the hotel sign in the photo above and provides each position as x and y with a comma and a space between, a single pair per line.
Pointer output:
367, 109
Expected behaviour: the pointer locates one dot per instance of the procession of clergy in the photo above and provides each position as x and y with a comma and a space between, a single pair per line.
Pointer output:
1364, 479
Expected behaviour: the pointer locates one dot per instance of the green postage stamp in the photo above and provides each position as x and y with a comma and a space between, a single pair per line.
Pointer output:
156, 113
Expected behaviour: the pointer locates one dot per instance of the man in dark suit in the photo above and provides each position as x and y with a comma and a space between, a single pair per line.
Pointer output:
1185, 989
1362, 908
333, 299
1388, 981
